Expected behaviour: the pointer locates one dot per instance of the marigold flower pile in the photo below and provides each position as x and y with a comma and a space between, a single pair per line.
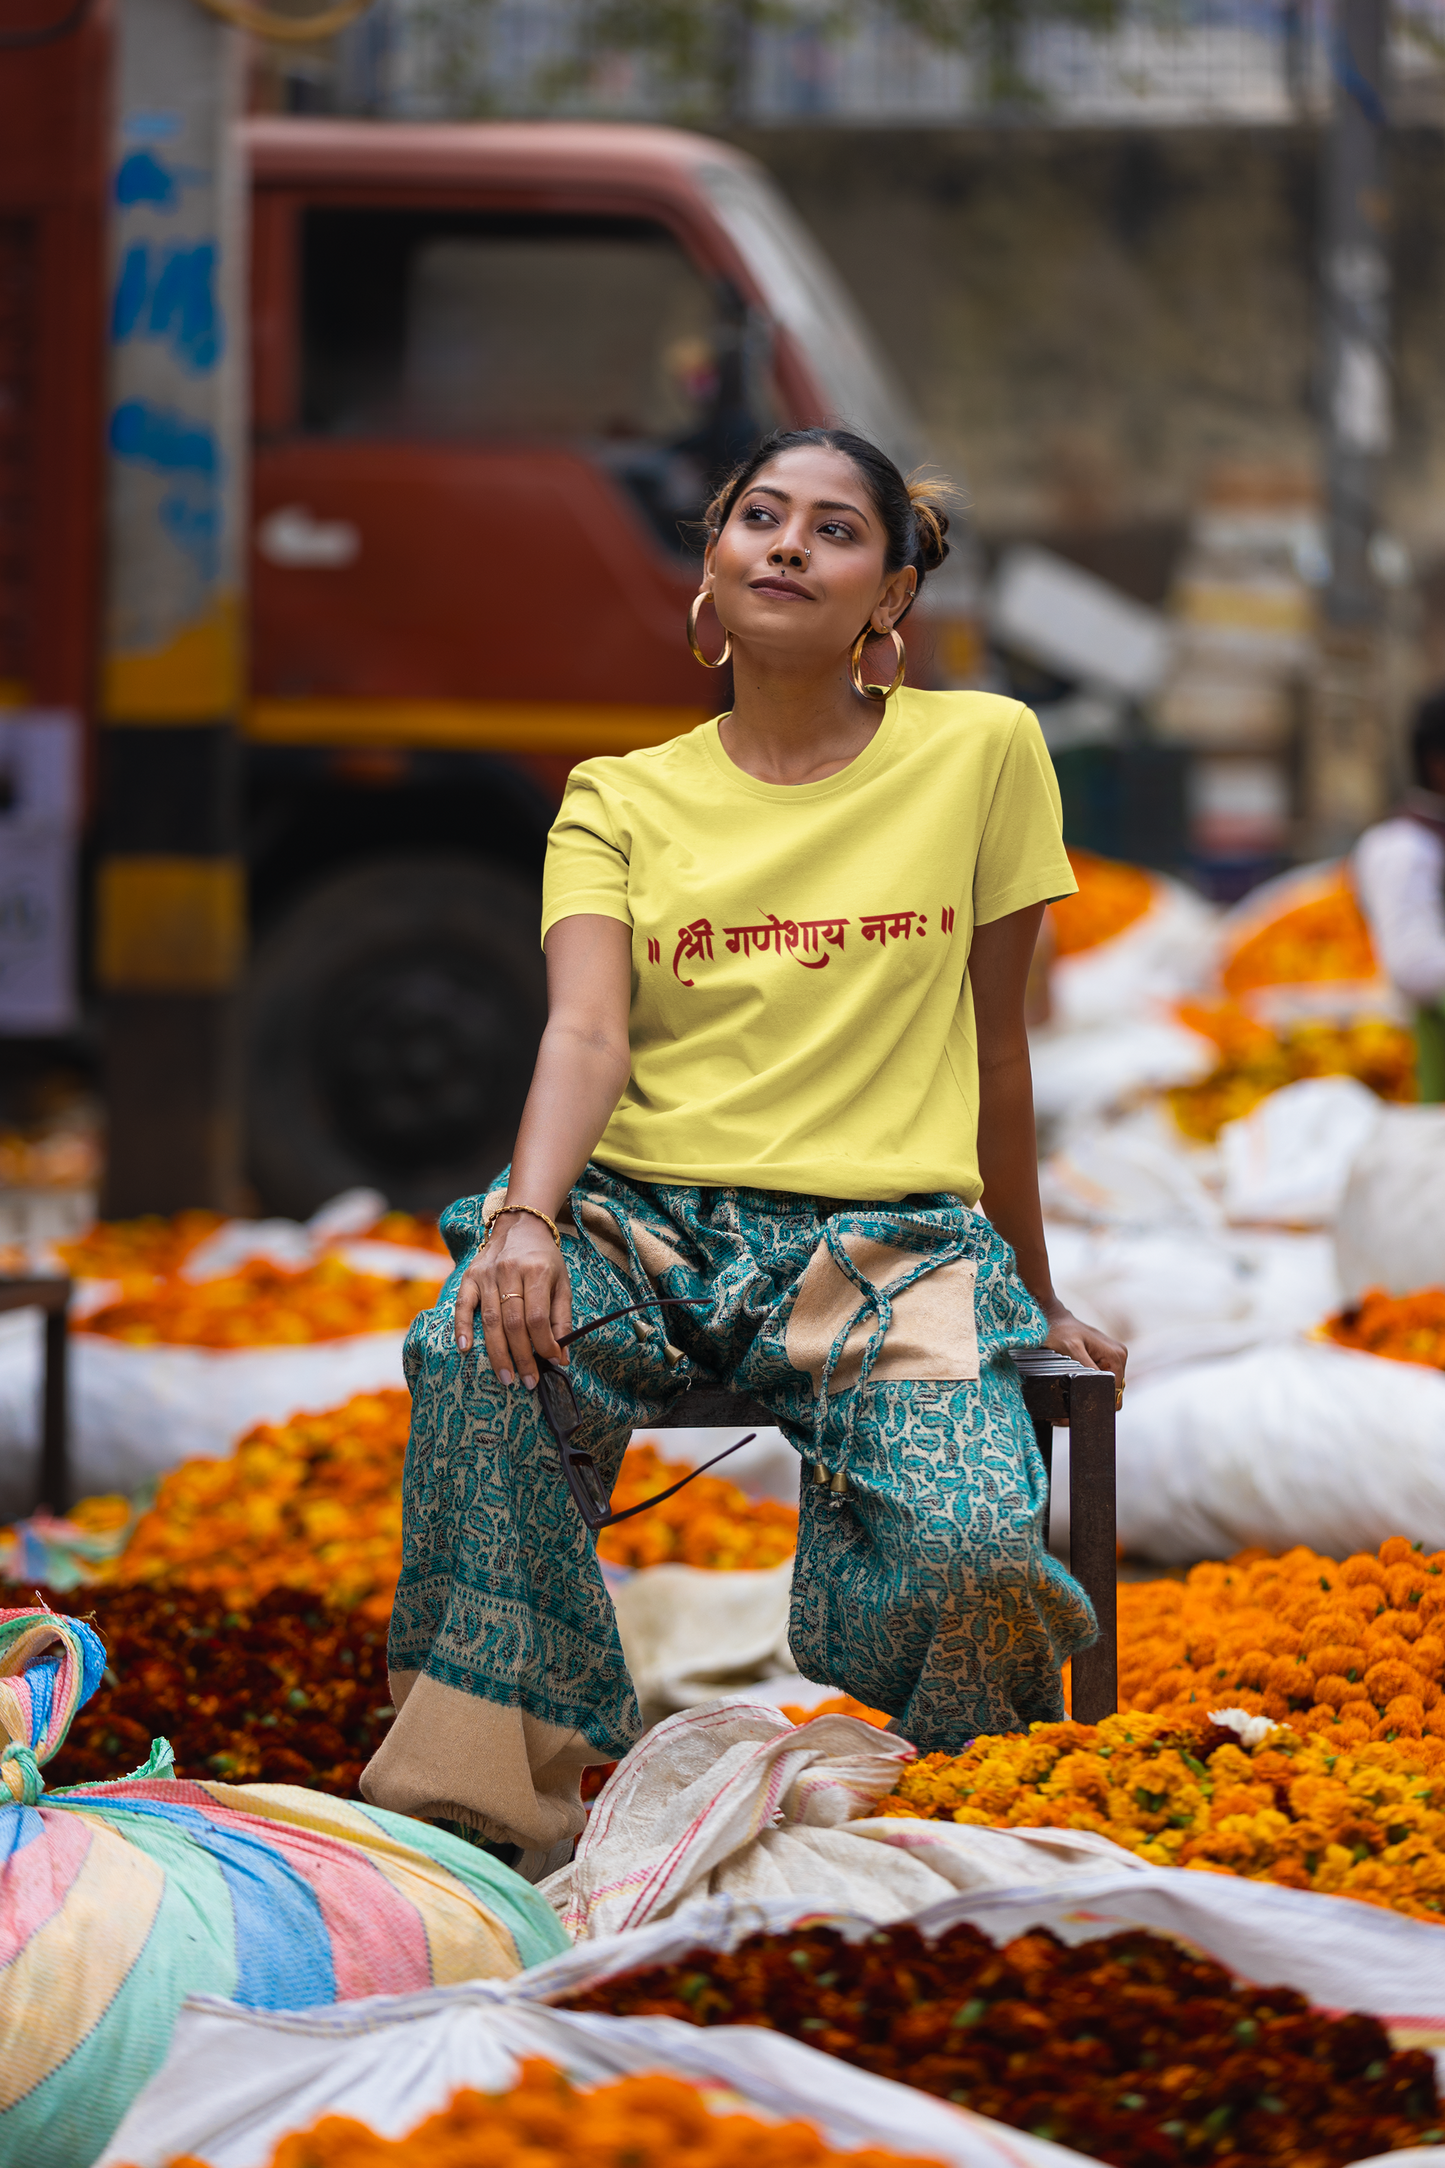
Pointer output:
411, 1233
315, 1504
1364, 1821
1255, 1061
289, 1691
154, 1247
1129, 2048
712, 1523
259, 1305
1110, 897
1324, 937
1347, 1797
1405, 1328
1354, 1651
310, 1504
545, 2121
138, 1251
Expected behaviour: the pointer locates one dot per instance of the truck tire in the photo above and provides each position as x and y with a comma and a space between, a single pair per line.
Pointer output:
393, 1017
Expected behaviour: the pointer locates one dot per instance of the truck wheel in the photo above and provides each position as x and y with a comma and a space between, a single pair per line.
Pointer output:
393, 1020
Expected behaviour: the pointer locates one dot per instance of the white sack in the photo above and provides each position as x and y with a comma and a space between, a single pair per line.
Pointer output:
1391, 1227
1291, 1442
1343, 1955
237, 2080
733, 1801
1165, 954
1289, 1159
1139, 1172
1078, 1073
136, 1412
691, 1635
1177, 1296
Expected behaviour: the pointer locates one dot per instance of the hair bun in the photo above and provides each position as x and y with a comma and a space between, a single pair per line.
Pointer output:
928, 495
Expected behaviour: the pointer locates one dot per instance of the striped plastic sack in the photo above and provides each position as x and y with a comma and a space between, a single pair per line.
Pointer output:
118, 1900
49, 1666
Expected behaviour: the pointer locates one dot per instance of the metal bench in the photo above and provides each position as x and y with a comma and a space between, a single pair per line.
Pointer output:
52, 1296
1057, 1391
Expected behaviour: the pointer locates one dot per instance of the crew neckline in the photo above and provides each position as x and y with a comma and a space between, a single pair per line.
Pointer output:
857, 771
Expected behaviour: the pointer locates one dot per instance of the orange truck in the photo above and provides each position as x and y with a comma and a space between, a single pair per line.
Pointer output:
495, 371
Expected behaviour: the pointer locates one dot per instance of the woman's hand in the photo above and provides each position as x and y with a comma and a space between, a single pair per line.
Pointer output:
520, 1289
1088, 1344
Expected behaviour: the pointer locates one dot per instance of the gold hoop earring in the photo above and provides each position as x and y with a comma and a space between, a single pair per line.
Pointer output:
855, 664
727, 647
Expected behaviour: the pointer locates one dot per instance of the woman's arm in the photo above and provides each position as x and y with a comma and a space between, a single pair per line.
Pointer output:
998, 969
582, 1067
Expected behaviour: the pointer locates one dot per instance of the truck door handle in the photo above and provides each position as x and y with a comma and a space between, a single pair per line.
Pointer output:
291, 536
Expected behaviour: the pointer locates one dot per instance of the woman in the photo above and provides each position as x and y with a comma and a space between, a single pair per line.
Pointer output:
785, 1055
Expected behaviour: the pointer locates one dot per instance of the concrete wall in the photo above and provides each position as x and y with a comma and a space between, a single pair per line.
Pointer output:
1092, 322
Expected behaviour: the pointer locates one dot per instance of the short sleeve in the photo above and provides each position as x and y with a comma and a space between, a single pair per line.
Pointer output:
1021, 855
587, 858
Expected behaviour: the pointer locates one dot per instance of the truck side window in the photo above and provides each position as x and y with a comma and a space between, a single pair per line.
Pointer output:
599, 333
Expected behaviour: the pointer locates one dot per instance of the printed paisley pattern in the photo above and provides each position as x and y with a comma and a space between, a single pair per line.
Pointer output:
927, 1591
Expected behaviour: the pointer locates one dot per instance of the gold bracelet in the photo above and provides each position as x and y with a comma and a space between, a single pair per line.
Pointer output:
531, 1210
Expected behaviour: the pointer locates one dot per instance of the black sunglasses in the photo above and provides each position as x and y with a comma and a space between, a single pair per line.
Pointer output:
558, 1404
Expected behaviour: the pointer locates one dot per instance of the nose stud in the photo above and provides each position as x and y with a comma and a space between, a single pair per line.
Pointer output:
792, 556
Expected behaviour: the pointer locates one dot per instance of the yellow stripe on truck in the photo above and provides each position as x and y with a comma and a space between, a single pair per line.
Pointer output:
482, 726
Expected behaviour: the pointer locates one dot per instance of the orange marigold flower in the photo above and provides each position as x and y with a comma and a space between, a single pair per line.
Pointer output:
1331, 1688
1361, 1568
1384, 1681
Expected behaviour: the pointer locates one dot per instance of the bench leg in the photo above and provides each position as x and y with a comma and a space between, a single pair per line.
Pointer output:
54, 1460
1093, 1543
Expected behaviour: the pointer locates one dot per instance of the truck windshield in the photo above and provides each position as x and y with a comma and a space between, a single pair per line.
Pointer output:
600, 332
805, 295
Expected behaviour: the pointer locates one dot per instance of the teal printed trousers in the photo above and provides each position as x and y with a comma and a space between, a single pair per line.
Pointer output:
876, 1336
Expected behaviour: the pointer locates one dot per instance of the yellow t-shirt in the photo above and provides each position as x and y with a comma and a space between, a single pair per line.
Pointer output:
801, 1016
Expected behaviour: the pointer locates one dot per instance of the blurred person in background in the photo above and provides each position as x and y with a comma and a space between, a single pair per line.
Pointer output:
785, 1056
1399, 877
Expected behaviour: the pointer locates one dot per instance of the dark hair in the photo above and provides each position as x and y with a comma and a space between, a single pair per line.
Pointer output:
914, 521
1427, 737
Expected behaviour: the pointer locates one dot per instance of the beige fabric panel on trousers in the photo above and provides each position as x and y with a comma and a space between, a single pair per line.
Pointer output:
933, 1333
